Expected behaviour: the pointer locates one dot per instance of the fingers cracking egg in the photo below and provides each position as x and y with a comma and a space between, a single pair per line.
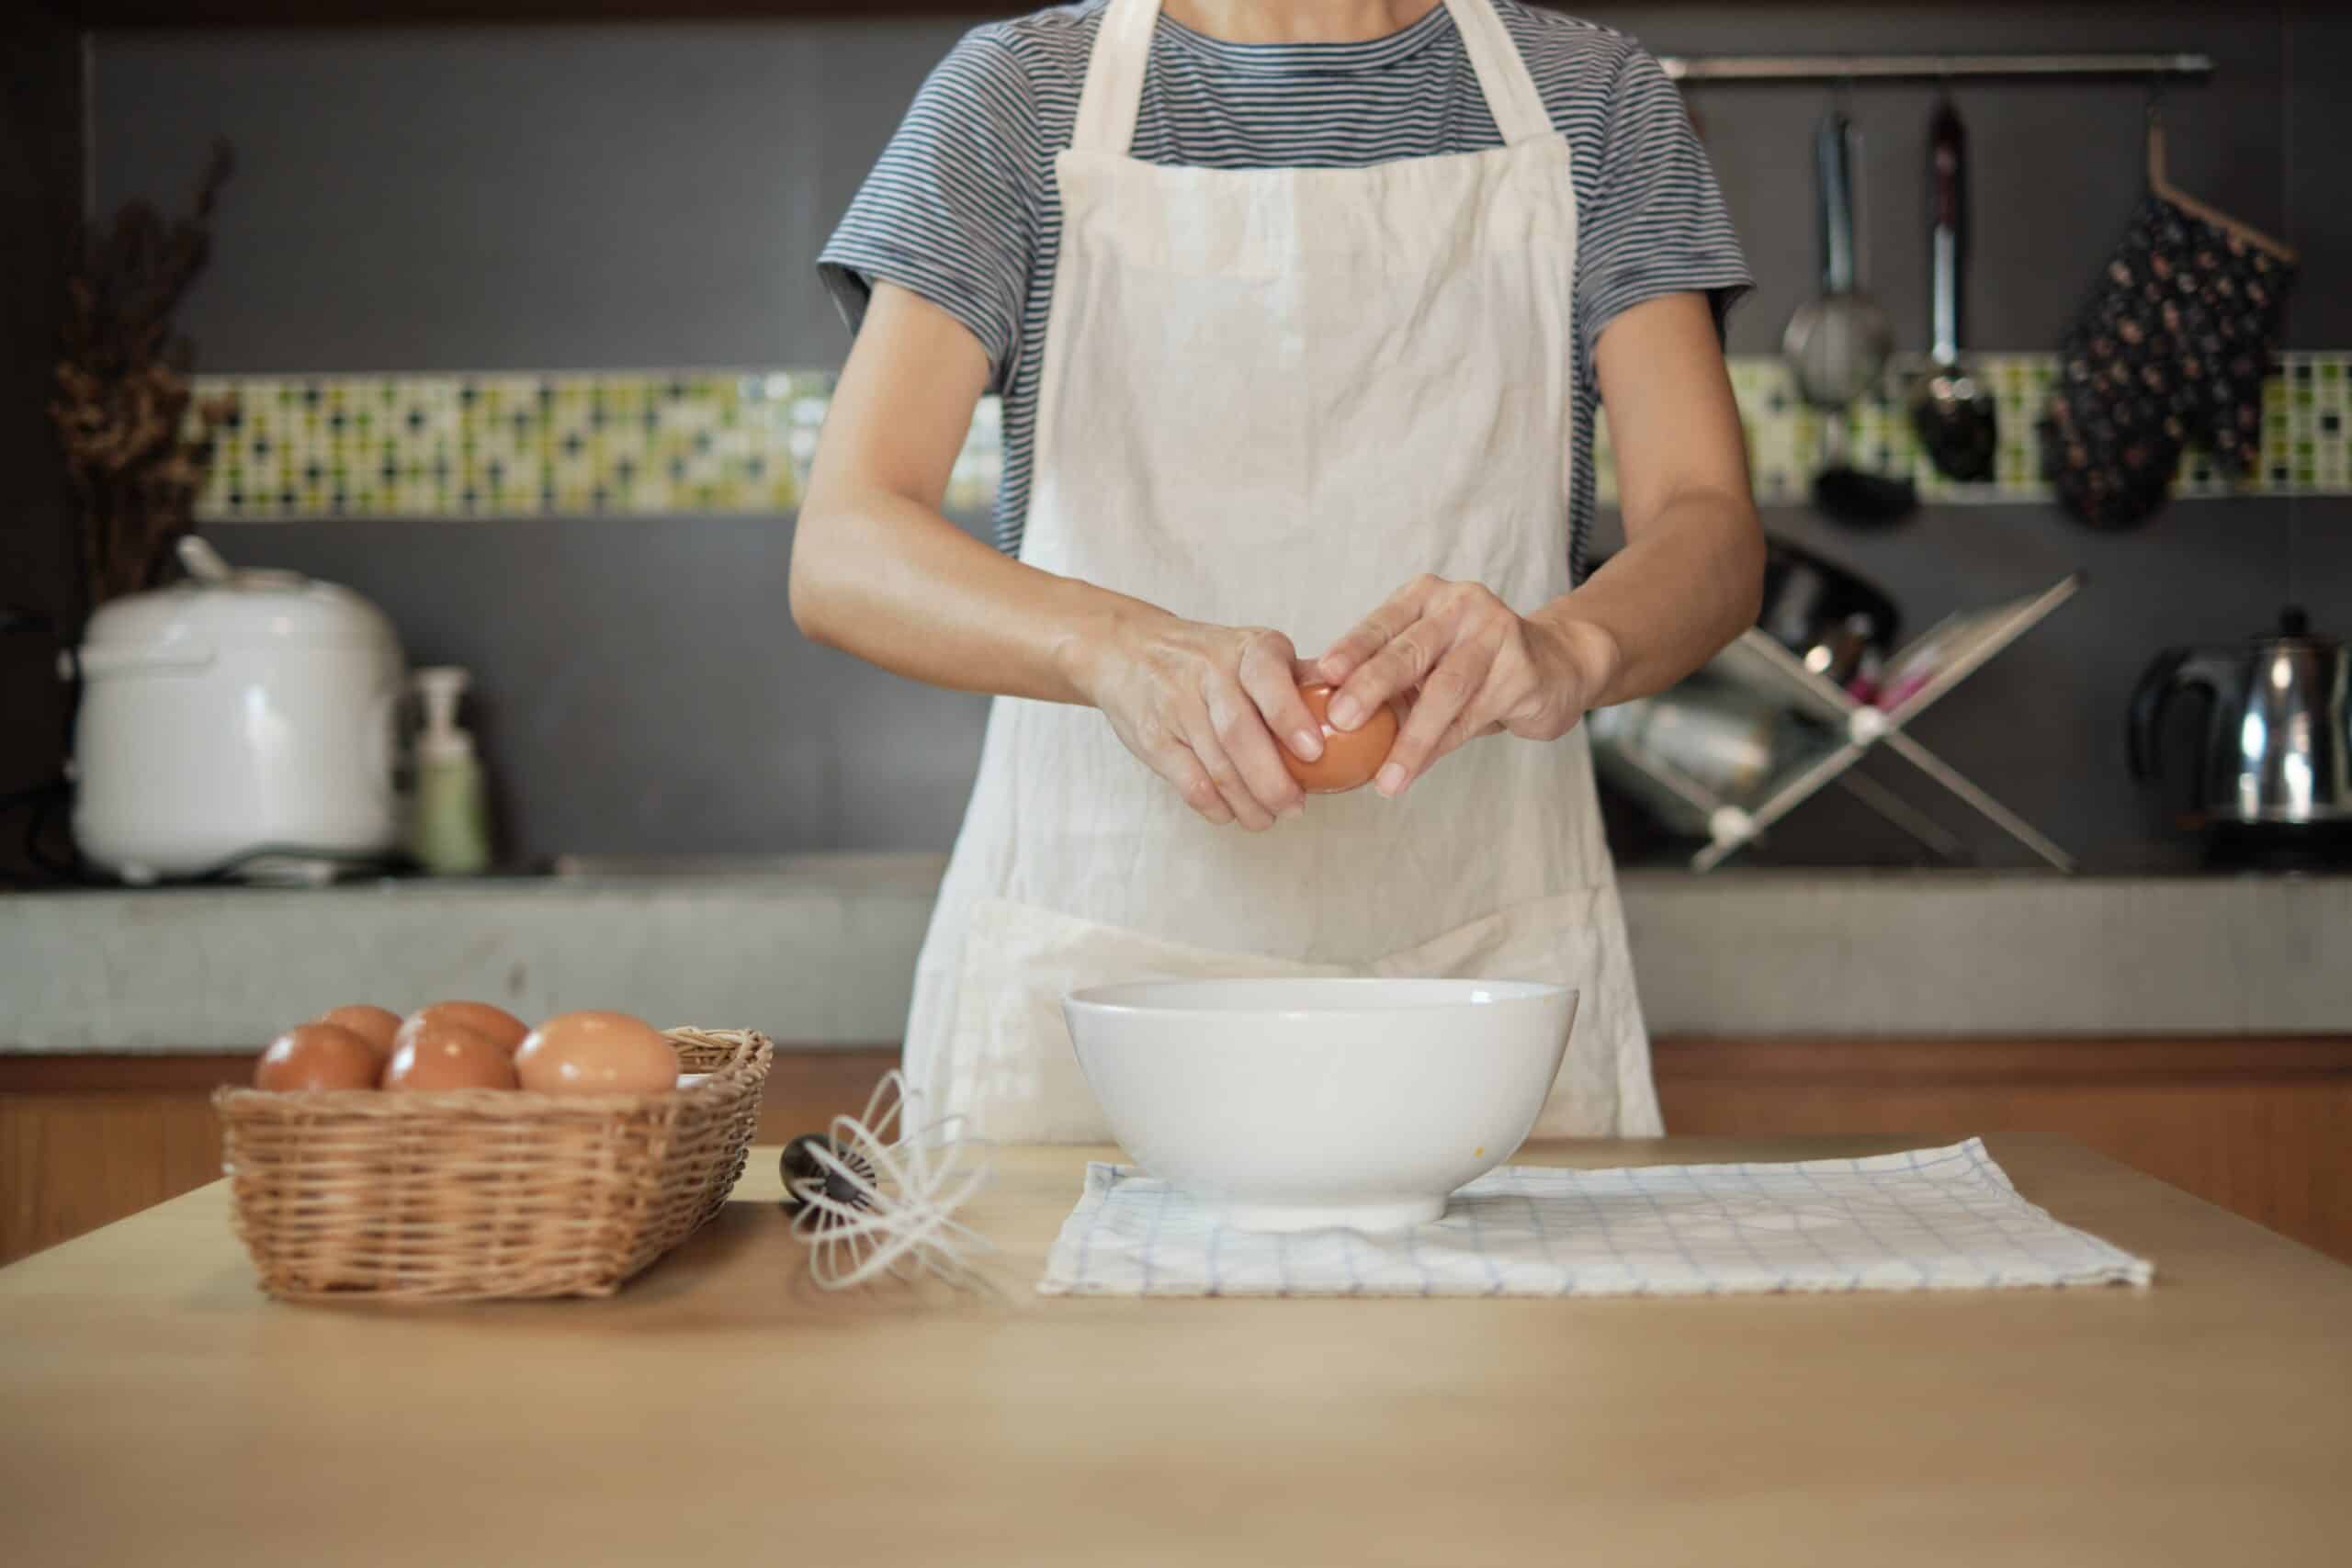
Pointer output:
1351, 757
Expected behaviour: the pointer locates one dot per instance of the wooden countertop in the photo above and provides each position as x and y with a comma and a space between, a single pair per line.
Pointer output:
722, 1410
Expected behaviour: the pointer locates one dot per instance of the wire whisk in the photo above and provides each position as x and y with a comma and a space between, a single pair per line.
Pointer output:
877, 1194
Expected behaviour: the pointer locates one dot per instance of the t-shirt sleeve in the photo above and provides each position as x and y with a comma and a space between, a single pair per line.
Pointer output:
950, 210
1655, 223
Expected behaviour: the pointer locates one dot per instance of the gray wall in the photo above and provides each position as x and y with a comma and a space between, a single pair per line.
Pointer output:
543, 198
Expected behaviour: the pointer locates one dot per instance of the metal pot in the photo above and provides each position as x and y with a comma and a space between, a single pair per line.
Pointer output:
1837, 622
1687, 753
1840, 623
2277, 748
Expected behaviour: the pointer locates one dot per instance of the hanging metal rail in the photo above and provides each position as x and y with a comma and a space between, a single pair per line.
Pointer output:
1929, 67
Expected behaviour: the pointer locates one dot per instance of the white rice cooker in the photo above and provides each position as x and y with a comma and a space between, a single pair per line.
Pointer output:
238, 721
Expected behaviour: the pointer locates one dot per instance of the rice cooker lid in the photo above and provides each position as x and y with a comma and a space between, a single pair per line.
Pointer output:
249, 608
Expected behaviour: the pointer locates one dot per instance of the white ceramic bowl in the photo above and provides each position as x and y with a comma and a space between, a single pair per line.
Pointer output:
1303, 1104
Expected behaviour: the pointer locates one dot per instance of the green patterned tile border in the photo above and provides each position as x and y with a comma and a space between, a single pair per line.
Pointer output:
512, 446
2307, 434
662, 443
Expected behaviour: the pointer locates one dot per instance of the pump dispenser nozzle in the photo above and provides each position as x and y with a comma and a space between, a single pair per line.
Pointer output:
452, 829
439, 687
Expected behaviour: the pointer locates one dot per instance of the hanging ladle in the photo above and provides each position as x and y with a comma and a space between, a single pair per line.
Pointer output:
1952, 411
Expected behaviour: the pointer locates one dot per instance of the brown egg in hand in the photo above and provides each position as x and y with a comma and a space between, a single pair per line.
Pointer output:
1350, 757
495, 1024
597, 1052
437, 1054
375, 1025
315, 1057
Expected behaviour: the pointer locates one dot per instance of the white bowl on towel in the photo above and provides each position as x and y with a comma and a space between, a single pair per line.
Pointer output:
1306, 1104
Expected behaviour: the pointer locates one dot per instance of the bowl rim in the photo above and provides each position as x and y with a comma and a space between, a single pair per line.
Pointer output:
1095, 999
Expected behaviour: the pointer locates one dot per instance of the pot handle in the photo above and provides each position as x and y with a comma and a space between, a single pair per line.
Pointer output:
179, 659
201, 561
2171, 670
2149, 700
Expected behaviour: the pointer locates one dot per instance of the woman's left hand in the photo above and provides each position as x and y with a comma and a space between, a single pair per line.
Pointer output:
1467, 665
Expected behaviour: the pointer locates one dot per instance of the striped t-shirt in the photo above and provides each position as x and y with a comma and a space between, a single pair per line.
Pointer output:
961, 210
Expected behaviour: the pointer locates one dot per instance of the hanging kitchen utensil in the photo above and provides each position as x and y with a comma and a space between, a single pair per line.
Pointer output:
1952, 412
1837, 344
2172, 347
877, 1195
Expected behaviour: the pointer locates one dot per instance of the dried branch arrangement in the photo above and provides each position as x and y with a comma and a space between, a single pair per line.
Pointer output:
123, 392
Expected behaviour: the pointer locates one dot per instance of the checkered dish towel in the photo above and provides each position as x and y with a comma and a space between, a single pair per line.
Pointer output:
1933, 1219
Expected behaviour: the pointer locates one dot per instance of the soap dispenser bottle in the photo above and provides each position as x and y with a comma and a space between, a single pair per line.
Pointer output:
450, 830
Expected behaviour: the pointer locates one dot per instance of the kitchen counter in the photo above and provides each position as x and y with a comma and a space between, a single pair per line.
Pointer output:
821, 951
720, 1409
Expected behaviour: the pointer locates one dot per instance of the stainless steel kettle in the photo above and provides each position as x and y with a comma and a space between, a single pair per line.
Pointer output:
2278, 744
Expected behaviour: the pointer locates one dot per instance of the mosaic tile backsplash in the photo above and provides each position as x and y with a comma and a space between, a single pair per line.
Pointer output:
656, 443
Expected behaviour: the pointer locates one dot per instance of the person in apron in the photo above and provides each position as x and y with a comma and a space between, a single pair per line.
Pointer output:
1314, 420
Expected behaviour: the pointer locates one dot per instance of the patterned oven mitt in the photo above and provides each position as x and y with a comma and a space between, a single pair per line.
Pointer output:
2171, 349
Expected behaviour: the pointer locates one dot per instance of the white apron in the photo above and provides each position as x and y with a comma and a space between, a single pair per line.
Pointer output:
1271, 397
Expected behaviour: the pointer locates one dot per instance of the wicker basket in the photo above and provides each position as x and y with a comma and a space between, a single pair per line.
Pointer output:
487, 1192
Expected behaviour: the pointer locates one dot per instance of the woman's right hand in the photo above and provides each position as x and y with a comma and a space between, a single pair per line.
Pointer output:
1202, 707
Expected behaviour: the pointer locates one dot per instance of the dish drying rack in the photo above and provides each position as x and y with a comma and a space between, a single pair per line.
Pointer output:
1845, 730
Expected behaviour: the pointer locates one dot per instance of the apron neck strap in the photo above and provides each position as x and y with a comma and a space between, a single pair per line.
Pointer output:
1511, 91
1106, 108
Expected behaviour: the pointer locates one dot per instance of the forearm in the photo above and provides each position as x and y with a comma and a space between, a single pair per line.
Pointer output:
1691, 579
892, 582
877, 574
